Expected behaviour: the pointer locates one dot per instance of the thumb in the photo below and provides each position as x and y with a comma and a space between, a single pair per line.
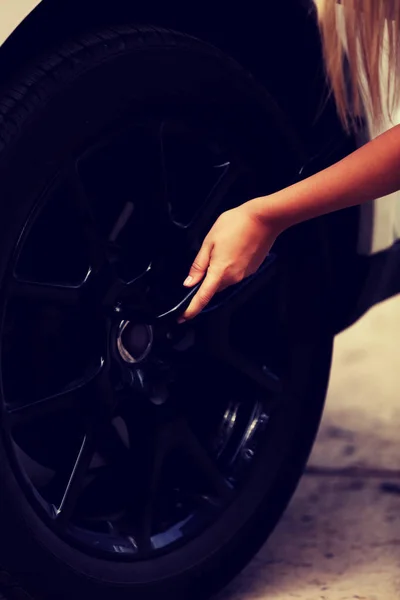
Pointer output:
199, 266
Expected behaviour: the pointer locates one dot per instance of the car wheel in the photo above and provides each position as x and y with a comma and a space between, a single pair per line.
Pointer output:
139, 457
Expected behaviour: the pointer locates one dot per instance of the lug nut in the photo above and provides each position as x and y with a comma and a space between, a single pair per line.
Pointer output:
248, 453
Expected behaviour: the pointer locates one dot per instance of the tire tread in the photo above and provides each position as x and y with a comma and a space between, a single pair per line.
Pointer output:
35, 85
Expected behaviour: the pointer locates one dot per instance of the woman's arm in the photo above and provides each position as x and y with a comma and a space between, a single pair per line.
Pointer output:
241, 238
368, 173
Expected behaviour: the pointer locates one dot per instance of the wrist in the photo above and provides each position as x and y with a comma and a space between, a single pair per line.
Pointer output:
270, 212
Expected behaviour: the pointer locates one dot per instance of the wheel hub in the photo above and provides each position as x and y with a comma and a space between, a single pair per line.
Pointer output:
134, 341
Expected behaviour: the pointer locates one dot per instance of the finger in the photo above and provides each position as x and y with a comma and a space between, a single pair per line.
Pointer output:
203, 297
199, 266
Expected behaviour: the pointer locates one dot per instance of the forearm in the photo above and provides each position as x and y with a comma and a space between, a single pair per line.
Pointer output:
368, 173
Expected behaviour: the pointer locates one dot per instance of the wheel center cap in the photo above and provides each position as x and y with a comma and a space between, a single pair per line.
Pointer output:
134, 341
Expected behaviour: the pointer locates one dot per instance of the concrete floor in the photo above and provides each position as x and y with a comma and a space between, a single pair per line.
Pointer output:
340, 537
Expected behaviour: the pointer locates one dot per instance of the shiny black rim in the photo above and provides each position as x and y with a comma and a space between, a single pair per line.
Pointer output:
131, 434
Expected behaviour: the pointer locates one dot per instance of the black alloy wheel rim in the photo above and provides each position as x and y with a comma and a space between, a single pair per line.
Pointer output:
130, 434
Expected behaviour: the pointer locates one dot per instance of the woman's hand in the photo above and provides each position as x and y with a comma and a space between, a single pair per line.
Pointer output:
235, 248
241, 238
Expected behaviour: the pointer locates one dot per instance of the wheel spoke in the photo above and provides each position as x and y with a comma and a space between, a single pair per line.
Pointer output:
97, 245
137, 289
47, 293
218, 330
173, 246
164, 218
157, 299
152, 213
189, 157
111, 447
186, 438
102, 388
148, 462
152, 232
231, 300
71, 397
76, 480
257, 374
219, 347
171, 315
208, 212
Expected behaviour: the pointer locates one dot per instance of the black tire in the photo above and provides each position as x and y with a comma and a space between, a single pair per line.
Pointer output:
53, 110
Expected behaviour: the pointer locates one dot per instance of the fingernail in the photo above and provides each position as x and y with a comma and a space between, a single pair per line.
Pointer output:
181, 320
188, 280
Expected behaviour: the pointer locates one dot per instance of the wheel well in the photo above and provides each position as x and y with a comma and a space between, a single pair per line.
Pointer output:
296, 80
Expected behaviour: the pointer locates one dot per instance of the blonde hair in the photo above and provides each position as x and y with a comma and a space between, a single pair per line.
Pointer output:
356, 36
